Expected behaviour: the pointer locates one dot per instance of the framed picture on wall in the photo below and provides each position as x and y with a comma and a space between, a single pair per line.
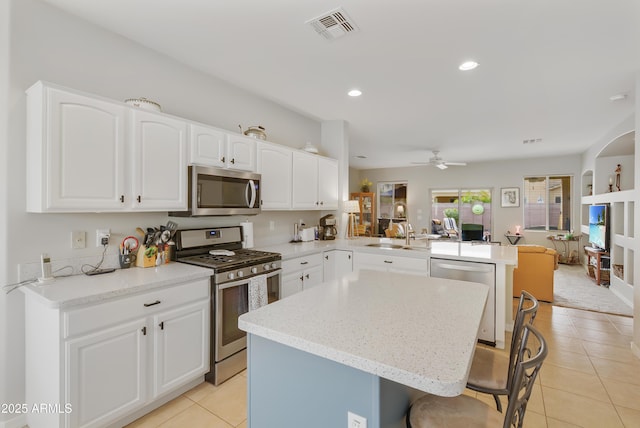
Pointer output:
510, 197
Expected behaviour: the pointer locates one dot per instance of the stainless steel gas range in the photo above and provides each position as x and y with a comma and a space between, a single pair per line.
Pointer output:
236, 269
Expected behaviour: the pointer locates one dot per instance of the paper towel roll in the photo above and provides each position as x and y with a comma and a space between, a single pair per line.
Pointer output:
247, 234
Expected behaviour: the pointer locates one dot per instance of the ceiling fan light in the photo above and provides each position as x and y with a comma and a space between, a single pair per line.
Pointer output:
441, 166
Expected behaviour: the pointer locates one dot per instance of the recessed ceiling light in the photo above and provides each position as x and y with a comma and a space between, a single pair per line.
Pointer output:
468, 65
354, 93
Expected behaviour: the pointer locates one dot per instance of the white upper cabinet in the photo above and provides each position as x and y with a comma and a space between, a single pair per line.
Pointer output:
215, 147
274, 165
328, 183
88, 154
241, 152
305, 181
75, 152
315, 182
159, 172
208, 145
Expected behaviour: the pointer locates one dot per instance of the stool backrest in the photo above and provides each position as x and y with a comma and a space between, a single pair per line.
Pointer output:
531, 353
525, 315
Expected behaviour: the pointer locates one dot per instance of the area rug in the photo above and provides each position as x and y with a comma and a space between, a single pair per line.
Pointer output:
574, 289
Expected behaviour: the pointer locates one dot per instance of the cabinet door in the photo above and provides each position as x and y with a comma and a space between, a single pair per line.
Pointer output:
414, 266
208, 145
329, 265
312, 276
337, 263
305, 181
274, 164
241, 152
181, 351
372, 261
76, 153
159, 162
106, 374
328, 184
291, 284
343, 263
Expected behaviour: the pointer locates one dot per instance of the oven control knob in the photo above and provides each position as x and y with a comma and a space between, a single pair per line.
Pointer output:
274, 265
254, 270
230, 275
240, 274
266, 267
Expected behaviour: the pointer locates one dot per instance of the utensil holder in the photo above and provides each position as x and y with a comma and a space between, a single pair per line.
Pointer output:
125, 260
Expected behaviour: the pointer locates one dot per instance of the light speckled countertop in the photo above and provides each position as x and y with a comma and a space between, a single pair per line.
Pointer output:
82, 289
416, 331
499, 254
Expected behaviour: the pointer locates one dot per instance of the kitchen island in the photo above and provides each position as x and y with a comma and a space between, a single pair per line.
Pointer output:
367, 343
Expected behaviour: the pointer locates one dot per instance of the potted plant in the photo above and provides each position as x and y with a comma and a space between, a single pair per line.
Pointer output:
365, 185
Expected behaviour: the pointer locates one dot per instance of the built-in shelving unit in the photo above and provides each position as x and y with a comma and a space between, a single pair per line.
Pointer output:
596, 187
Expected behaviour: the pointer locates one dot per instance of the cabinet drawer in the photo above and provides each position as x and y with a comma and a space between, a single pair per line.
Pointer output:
88, 318
300, 263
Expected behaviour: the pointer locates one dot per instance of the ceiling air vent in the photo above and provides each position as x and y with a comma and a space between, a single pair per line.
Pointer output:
333, 24
532, 141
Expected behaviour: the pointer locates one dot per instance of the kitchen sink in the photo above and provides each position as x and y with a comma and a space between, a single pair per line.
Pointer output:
390, 246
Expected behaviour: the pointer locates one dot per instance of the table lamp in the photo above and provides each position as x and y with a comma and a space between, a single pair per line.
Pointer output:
352, 207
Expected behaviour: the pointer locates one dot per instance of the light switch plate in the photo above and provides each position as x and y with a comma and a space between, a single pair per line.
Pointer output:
78, 239
356, 421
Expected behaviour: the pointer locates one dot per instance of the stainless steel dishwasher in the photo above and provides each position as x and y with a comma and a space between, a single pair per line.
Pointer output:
484, 273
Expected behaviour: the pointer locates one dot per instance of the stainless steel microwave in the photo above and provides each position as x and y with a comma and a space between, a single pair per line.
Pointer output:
218, 191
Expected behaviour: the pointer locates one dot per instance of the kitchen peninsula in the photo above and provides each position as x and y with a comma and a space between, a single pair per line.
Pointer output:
367, 343
367, 253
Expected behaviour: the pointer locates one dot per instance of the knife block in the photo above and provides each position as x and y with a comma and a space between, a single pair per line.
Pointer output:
142, 260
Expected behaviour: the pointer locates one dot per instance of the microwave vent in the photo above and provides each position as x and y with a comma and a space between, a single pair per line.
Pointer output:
333, 24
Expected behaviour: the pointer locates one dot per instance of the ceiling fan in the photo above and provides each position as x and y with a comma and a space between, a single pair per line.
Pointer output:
438, 162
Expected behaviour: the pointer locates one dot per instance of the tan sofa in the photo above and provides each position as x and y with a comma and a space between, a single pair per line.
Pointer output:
536, 266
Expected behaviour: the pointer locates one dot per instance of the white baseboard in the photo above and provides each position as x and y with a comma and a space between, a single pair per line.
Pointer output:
19, 421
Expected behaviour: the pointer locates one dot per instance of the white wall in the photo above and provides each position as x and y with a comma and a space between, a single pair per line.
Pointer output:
47, 44
6, 396
480, 175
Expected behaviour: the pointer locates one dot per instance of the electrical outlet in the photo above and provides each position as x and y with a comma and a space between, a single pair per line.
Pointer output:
78, 239
102, 237
356, 421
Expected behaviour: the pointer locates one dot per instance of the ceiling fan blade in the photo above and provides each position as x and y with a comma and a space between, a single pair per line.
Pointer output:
441, 166
456, 163
421, 163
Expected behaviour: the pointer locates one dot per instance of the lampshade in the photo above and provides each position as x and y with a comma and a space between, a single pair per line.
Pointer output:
351, 207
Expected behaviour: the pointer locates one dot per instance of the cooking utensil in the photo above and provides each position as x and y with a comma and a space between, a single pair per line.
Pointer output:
255, 132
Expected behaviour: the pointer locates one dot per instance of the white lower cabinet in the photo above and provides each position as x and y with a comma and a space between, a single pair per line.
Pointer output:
301, 273
388, 263
336, 264
106, 374
107, 360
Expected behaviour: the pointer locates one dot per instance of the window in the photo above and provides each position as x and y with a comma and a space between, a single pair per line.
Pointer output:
470, 208
547, 203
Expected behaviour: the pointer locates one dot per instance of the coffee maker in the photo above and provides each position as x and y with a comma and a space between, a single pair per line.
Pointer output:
327, 229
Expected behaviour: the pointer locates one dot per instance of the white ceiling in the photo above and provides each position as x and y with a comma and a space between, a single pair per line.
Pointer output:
547, 67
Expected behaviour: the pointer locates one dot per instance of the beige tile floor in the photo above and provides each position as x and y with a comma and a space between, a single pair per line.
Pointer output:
589, 379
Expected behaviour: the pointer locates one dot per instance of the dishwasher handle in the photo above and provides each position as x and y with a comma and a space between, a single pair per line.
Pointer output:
466, 268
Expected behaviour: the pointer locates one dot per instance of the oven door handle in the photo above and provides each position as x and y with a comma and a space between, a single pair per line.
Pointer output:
250, 201
244, 281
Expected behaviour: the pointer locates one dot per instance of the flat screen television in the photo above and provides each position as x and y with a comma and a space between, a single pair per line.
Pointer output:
599, 226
